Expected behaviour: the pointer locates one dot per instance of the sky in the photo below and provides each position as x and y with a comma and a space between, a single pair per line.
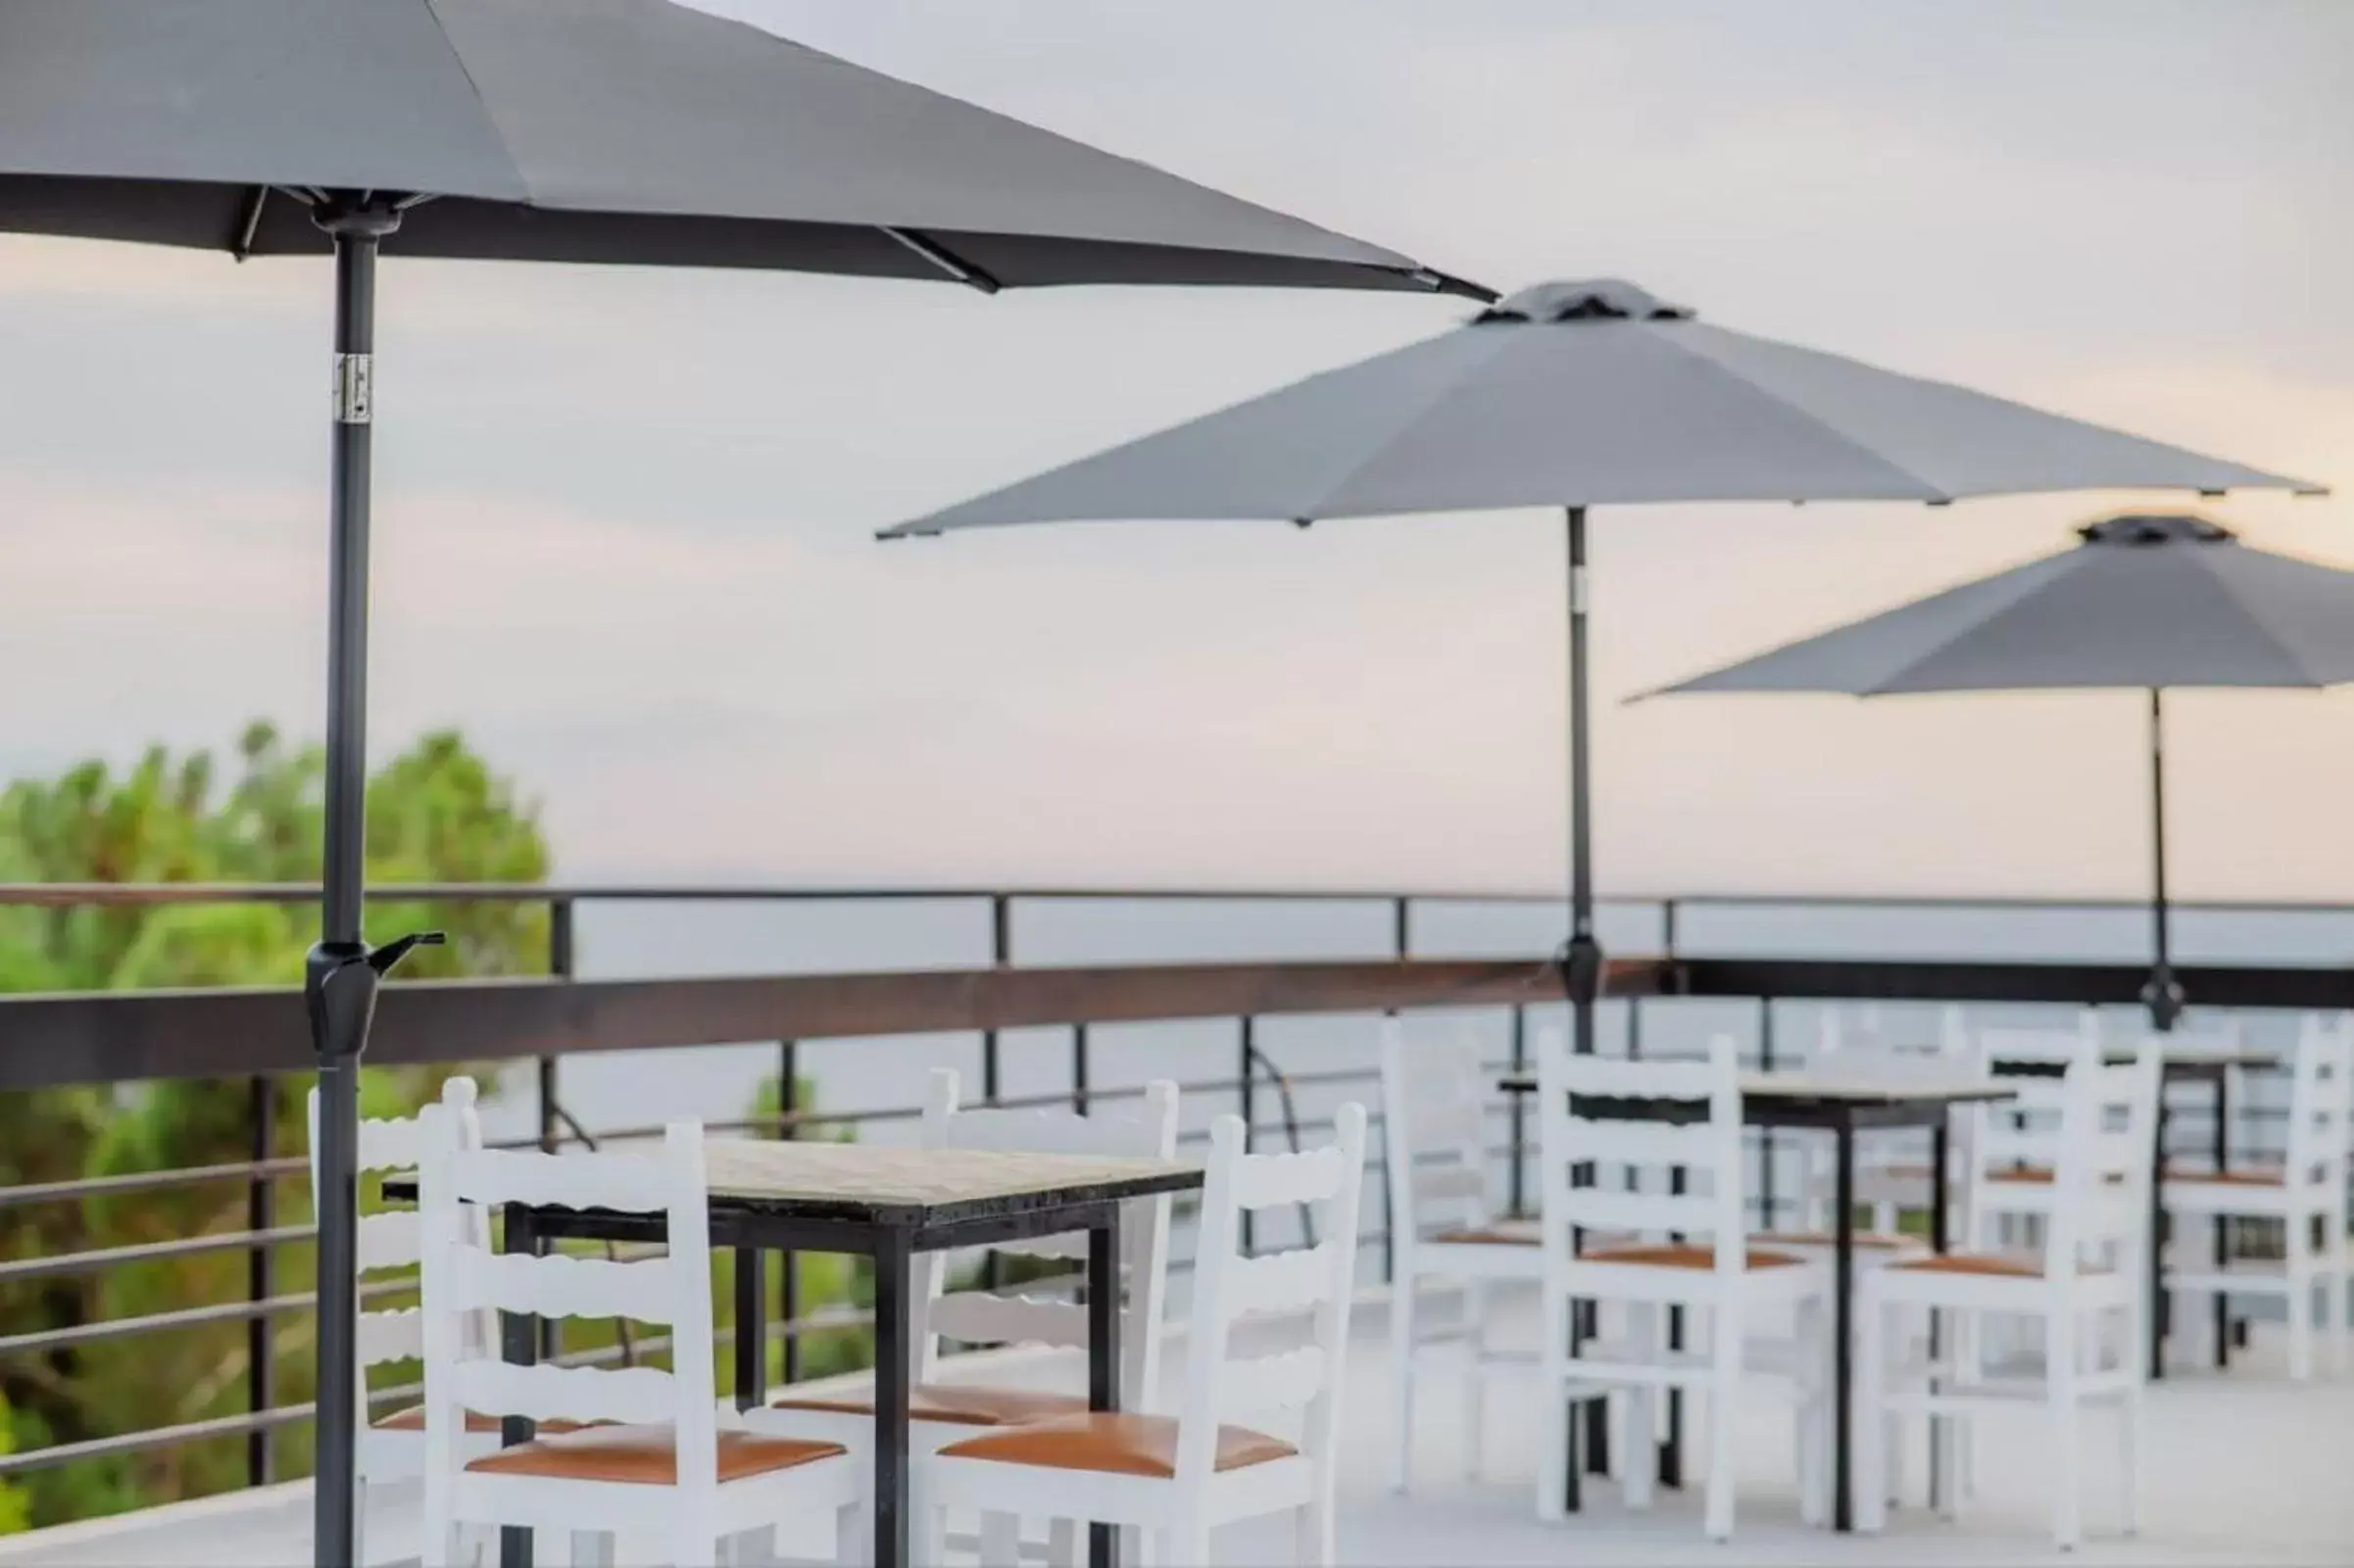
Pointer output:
623, 519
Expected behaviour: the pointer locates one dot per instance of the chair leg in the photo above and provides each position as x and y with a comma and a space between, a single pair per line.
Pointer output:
853, 1536
1638, 1452
1001, 1538
2060, 1330
360, 1522
2128, 1456
1475, 1383
1553, 1408
1725, 1373
1402, 1377
2334, 1301
1813, 1407
1870, 1459
1189, 1545
592, 1548
1313, 1541
1062, 1544
2300, 1309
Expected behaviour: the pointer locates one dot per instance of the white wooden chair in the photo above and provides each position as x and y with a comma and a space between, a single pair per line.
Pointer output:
649, 1457
392, 1447
1721, 1276
943, 1409
2306, 1195
2091, 1130
1444, 1225
1184, 1475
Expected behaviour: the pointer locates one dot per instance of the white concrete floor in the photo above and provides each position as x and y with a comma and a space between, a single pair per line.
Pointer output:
2242, 1468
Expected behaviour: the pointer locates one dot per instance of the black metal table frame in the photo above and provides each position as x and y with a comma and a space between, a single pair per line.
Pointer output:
890, 1235
1844, 1117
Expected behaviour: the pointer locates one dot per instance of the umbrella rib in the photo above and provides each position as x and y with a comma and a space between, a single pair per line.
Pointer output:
250, 219
1413, 416
948, 261
1936, 495
2288, 654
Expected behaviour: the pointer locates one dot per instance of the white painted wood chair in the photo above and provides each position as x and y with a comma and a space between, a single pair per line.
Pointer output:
944, 1409
1699, 1129
392, 1447
648, 1458
1256, 1433
2306, 1195
1444, 1226
2091, 1130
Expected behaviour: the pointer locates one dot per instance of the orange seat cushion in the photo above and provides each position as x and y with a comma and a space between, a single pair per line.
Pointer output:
964, 1404
1875, 1241
1685, 1256
646, 1455
1994, 1264
2037, 1173
413, 1419
1116, 1442
2232, 1178
1493, 1236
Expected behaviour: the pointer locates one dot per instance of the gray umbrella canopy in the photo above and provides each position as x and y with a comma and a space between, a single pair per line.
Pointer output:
1590, 394
2143, 603
630, 132
586, 130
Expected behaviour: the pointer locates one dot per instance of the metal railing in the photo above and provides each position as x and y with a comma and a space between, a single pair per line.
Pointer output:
257, 1036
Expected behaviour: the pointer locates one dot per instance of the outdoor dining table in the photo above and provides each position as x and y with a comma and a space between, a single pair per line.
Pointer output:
887, 1204
1843, 1105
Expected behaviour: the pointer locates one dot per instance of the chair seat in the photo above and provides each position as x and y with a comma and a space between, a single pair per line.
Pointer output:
962, 1404
2040, 1175
1685, 1256
2230, 1178
1996, 1266
646, 1455
1503, 1233
1865, 1241
1116, 1442
413, 1419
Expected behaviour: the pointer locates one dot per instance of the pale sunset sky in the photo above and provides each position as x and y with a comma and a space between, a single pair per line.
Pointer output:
623, 519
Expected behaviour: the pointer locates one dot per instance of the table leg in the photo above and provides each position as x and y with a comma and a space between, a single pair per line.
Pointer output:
891, 1362
1104, 1355
1671, 1446
1842, 1328
518, 1342
1938, 1242
2157, 1312
2223, 1227
752, 1329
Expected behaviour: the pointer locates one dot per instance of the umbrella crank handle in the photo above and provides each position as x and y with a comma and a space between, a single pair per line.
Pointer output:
339, 986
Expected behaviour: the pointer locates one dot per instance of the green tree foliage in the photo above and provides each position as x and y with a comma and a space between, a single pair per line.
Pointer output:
437, 813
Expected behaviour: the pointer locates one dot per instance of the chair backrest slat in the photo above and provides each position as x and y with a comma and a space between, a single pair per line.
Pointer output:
464, 1276
1652, 1118
1300, 1382
393, 1239
1146, 1128
2320, 1108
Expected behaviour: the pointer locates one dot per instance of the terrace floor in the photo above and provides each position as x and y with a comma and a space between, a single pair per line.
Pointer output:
2242, 1468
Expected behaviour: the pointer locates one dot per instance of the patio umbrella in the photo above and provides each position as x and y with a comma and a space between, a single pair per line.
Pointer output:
630, 132
2143, 602
1585, 394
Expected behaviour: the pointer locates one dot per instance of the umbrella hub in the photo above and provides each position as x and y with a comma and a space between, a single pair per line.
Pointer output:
1601, 299
368, 216
2141, 528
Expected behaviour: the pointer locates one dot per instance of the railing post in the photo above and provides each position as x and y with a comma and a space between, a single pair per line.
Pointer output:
1765, 1135
1079, 1065
1245, 1088
1000, 953
261, 1214
560, 965
1518, 1109
788, 1285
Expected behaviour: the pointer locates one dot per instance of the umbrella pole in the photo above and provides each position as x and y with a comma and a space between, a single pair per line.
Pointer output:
341, 973
1582, 958
2163, 996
